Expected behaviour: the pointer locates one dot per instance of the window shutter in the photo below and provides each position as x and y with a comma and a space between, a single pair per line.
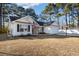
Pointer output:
28, 28
17, 27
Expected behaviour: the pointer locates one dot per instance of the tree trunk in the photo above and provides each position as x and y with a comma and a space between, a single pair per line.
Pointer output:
0, 15
42, 29
3, 22
78, 19
58, 22
69, 20
73, 23
58, 18
66, 24
78, 23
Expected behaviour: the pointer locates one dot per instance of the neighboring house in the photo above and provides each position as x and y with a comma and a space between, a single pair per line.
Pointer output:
24, 26
52, 28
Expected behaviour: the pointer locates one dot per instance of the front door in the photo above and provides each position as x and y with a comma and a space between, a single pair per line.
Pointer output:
34, 30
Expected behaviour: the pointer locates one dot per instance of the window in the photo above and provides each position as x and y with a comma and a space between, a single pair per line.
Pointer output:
21, 28
25, 29
17, 27
28, 28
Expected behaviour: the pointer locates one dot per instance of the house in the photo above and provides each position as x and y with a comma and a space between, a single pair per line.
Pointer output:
28, 26
23, 26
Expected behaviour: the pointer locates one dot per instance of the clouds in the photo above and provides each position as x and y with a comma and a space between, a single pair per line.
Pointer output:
28, 5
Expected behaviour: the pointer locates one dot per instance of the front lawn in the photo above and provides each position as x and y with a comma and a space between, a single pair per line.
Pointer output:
44, 47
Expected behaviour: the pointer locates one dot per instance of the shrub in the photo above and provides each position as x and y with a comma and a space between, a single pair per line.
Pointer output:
72, 25
3, 30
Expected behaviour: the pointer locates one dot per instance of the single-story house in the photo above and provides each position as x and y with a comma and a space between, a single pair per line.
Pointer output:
23, 26
28, 26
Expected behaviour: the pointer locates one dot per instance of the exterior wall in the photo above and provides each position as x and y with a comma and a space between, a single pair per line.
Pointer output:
51, 30
13, 29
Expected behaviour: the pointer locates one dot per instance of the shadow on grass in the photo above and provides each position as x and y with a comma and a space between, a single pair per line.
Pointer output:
9, 54
32, 37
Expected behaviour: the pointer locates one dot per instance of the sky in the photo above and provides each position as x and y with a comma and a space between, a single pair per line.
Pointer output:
38, 7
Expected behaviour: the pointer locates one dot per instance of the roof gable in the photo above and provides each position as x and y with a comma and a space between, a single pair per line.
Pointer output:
26, 19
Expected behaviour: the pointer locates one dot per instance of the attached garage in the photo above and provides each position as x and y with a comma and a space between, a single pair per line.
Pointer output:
51, 29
